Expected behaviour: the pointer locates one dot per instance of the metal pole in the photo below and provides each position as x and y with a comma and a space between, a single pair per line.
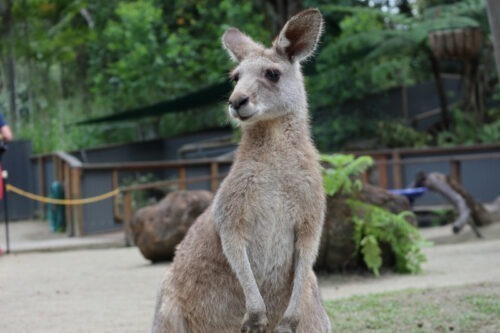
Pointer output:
5, 209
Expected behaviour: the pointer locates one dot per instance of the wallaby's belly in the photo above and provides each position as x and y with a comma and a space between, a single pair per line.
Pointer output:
271, 237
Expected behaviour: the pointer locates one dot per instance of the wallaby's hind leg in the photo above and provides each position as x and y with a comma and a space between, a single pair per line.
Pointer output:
168, 316
314, 318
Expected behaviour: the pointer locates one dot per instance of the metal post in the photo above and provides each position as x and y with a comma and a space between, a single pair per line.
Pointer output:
5, 209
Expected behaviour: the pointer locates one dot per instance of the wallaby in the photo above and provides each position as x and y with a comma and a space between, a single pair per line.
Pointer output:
246, 263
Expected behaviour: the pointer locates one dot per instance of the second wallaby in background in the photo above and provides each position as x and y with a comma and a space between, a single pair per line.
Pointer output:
246, 263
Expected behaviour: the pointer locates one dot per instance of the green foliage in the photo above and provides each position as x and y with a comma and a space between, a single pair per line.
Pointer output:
490, 133
466, 131
373, 226
77, 59
373, 51
341, 177
394, 134
372, 254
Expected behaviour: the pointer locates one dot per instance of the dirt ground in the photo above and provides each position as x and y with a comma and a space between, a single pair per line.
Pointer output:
113, 290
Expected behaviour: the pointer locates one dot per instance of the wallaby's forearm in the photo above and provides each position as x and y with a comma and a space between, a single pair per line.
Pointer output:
236, 253
306, 248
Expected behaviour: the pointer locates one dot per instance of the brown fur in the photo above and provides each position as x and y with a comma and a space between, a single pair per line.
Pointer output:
246, 264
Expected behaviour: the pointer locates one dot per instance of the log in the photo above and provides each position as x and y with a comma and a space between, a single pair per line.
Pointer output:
468, 209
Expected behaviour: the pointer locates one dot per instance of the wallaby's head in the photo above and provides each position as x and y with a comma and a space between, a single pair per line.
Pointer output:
269, 82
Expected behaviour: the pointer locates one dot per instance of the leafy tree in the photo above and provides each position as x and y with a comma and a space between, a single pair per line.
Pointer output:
376, 50
81, 58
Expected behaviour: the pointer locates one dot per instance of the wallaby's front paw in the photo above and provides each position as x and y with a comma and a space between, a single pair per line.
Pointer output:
287, 325
254, 323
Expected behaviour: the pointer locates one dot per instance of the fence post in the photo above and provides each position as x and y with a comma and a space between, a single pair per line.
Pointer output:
182, 178
214, 173
365, 177
76, 193
127, 207
42, 181
68, 193
397, 173
116, 208
456, 172
382, 171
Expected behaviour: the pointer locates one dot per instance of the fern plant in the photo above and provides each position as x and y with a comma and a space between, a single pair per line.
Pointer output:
342, 176
373, 225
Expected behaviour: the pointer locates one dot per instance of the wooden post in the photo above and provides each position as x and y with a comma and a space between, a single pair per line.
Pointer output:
365, 177
127, 207
214, 179
76, 193
42, 181
182, 178
494, 20
443, 102
116, 202
456, 172
397, 172
382, 171
67, 194
55, 161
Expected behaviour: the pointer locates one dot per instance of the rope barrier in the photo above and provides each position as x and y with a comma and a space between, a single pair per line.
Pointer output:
62, 201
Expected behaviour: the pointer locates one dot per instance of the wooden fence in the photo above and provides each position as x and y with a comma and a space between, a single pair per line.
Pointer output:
395, 159
70, 172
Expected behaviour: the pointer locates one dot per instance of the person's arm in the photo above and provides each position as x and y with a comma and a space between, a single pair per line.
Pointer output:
6, 133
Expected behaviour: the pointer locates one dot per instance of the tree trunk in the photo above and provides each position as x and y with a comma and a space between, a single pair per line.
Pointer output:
9, 65
445, 118
494, 19
282, 10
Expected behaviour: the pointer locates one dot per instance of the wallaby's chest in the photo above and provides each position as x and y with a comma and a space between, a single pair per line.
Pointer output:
275, 195
273, 200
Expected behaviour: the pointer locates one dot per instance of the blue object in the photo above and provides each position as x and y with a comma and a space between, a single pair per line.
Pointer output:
410, 193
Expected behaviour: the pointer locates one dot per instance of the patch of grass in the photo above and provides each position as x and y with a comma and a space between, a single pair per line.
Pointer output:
473, 308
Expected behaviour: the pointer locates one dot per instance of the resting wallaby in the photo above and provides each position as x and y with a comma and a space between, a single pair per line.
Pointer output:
246, 263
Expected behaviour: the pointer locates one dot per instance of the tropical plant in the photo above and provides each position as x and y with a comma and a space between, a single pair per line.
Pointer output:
374, 227
343, 175
376, 50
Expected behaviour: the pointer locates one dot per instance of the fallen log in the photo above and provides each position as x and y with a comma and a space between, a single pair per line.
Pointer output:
468, 209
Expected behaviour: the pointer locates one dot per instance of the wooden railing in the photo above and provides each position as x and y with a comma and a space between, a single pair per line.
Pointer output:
181, 182
396, 159
70, 171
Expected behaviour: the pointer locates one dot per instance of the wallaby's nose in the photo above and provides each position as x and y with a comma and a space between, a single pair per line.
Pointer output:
238, 101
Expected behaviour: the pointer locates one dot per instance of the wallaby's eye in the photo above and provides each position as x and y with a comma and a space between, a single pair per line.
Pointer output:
273, 75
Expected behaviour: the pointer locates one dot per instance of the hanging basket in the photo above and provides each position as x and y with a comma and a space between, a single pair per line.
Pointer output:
463, 43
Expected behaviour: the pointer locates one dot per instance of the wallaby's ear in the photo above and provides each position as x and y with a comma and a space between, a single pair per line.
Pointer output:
300, 35
238, 45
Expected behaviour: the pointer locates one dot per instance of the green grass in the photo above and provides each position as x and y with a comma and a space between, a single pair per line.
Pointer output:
468, 309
